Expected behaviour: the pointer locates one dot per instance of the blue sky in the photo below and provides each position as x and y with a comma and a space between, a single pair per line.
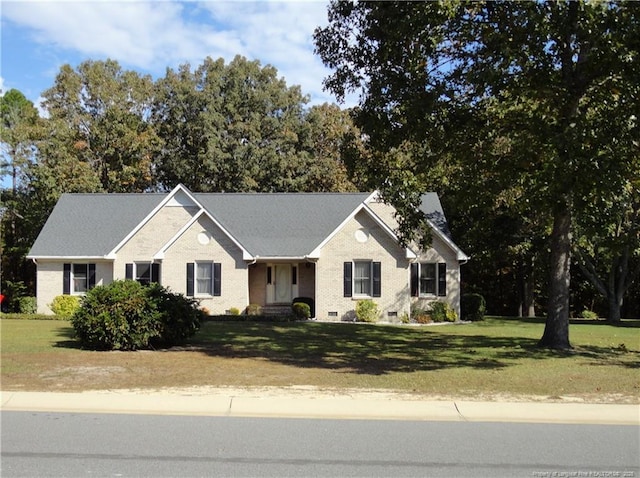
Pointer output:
38, 37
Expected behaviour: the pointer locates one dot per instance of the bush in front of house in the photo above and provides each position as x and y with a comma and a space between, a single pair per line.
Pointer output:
419, 315
125, 315
253, 309
65, 306
367, 311
301, 311
472, 307
442, 312
588, 314
27, 305
180, 316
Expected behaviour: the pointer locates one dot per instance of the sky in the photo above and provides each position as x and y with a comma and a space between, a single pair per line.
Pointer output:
38, 37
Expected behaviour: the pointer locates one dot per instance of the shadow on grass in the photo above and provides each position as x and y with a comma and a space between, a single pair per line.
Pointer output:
69, 340
624, 323
375, 350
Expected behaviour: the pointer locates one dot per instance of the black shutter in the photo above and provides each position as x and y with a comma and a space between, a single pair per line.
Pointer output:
217, 279
128, 271
294, 275
377, 279
415, 283
155, 272
348, 287
92, 276
442, 279
66, 279
268, 275
190, 278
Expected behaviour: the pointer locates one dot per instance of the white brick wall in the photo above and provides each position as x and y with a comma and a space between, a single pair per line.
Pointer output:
344, 247
49, 280
235, 272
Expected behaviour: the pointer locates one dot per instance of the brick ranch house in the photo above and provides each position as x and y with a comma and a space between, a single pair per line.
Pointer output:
229, 250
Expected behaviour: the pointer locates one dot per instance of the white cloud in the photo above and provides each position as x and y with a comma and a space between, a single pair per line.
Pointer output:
153, 35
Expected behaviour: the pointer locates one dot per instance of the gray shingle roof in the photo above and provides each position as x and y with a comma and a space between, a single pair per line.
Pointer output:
91, 225
280, 225
265, 224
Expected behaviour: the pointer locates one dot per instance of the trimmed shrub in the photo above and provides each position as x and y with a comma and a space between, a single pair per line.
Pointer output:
27, 305
234, 311
125, 315
588, 314
253, 309
367, 311
301, 310
180, 316
65, 306
442, 312
473, 307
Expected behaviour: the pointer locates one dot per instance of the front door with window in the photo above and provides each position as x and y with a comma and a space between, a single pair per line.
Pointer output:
282, 283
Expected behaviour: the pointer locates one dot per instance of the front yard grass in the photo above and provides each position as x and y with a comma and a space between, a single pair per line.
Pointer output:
493, 359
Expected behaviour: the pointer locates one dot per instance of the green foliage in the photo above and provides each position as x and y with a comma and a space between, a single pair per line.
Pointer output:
301, 310
126, 315
253, 309
234, 311
367, 311
13, 292
588, 314
519, 132
472, 307
419, 314
27, 305
65, 305
17, 316
180, 316
442, 312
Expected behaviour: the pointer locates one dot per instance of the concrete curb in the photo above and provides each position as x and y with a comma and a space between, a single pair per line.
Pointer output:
342, 407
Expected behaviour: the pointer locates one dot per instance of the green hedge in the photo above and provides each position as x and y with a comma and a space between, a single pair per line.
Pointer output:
125, 315
472, 307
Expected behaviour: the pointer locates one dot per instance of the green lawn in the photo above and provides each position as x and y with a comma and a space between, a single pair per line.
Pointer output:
491, 359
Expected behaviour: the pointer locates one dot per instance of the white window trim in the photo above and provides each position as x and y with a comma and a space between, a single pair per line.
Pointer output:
436, 292
355, 294
72, 279
136, 276
195, 279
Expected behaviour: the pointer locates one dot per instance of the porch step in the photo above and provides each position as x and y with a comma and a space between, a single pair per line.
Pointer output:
276, 309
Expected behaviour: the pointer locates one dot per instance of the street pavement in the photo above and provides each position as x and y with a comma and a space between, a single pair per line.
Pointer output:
309, 403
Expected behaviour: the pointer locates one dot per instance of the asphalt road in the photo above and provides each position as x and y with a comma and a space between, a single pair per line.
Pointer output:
76, 444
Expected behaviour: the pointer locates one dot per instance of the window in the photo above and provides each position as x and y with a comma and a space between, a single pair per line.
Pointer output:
78, 278
204, 279
143, 272
429, 279
362, 278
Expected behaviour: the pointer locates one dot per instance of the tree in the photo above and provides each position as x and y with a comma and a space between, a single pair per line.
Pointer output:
19, 121
105, 111
234, 127
463, 77
19, 117
328, 133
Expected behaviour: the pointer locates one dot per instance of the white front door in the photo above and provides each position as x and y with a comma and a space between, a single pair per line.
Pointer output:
282, 282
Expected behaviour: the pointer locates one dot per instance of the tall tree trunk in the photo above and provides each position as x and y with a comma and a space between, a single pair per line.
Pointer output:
556, 329
527, 289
